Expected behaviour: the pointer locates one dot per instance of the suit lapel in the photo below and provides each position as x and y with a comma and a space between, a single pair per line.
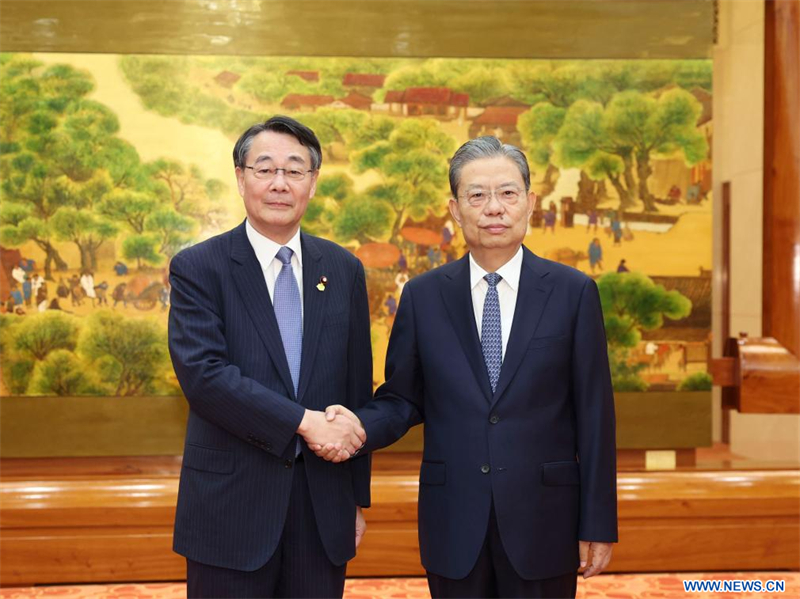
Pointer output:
532, 296
249, 281
457, 296
313, 308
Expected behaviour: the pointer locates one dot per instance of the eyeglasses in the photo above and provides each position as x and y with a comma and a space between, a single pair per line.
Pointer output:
507, 196
293, 174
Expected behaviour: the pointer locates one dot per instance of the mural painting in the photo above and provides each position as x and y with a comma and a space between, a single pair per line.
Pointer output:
110, 165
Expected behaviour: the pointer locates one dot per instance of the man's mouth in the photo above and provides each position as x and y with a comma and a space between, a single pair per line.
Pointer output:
495, 229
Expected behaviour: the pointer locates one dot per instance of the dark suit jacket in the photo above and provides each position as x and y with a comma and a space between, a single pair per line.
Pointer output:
541, 447
240, 439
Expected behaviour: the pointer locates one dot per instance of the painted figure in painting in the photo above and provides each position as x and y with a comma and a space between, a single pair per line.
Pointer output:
266, 325
503, 355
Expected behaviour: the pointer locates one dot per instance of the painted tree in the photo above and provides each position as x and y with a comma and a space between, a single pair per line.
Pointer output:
483, 83
189, 192
434, 72
662, 125
538, 128
40, 334
141, 248
86, 230
61, 373
334, 125
171, 230
364, 218
160, 81
584, 141
129, 354
412, 164
376, 128
16, 365
128, 206
633, 303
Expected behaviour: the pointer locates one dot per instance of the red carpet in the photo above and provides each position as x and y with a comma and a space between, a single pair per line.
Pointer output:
617, 586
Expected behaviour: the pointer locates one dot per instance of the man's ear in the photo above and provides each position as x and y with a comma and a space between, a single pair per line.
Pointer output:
531, 203
313, 189
455, 211
240, 180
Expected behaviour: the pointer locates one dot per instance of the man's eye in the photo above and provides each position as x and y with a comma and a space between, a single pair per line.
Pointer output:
265, 171
294, 173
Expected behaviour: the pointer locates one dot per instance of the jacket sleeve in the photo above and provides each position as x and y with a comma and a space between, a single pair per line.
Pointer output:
215, 388
593, 398
398, 403
359, 377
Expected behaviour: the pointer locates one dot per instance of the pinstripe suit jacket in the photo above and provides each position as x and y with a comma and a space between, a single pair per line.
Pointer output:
240, 438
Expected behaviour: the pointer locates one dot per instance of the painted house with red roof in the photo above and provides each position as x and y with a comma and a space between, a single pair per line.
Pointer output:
306, 101
364, 83
357, 100
440, 102
499, 121
310, 76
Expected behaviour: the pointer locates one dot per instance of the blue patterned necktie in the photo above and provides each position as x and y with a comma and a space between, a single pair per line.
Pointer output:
288, 312
491, 330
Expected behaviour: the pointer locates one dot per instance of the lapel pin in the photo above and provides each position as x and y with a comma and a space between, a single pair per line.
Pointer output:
323, 282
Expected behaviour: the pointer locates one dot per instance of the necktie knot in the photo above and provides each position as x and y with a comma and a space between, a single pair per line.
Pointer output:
493, 279
285, 255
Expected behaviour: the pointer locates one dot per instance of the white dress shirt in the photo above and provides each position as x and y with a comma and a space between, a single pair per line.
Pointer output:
507, 290
267, 251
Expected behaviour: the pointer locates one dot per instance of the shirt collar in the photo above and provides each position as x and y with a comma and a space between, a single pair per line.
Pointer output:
510, 271
266, 249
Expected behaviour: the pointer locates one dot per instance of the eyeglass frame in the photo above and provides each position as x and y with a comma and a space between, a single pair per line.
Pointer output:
275, 174
492, 193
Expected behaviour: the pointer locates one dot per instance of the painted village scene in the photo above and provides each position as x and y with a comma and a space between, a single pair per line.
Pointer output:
111, 164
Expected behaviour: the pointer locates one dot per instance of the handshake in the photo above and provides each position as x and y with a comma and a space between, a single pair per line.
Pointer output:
335, 435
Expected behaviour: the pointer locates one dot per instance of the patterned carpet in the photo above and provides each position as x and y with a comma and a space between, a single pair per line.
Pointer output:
617, 586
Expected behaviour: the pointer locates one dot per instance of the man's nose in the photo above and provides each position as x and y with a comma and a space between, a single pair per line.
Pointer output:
279, 182
493, 205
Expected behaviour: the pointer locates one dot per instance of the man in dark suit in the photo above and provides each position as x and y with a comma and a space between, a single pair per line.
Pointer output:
503, 355
266, 325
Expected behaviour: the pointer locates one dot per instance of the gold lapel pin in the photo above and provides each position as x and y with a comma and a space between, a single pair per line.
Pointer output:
323, 282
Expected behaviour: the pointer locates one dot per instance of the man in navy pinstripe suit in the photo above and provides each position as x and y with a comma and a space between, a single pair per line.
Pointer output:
268, 326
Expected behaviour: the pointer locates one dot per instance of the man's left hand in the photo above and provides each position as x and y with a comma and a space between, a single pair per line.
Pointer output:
361, 526
594, 555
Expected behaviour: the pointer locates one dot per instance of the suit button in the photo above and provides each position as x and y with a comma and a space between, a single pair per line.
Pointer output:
485, 468
494, 419
268, 446
287, 464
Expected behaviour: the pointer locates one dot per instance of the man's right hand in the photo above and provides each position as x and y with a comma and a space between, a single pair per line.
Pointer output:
342, 435
329, 451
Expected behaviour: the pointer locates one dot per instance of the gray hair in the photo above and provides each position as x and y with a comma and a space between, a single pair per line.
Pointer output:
486, 147
279, 124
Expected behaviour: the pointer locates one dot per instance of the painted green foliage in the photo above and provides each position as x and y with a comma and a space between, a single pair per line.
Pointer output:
68, 177
54, 353
611, 118
633, 303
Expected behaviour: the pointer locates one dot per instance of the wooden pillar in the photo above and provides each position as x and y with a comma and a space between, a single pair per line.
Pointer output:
781, 285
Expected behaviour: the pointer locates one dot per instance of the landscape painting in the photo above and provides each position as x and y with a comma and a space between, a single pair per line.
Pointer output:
111, 164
